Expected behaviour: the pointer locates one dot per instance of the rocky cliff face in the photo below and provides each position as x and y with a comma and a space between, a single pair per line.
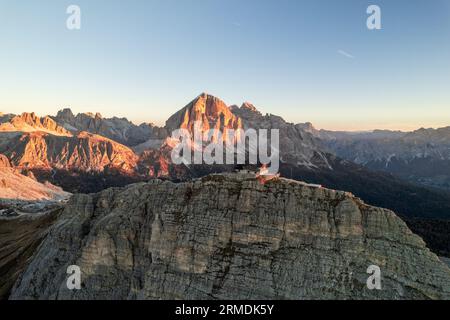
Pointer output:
297, 146
230, 236
205, 111
30, 122
20, 237
210, 111
84, 152
118, 129
43, 147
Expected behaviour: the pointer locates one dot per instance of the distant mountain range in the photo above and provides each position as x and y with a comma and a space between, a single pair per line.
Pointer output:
30, 122
421, 156
87, 153
290, 228
118, 129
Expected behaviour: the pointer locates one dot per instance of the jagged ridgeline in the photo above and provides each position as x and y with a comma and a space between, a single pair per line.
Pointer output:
207, 238
230, 236
88, 153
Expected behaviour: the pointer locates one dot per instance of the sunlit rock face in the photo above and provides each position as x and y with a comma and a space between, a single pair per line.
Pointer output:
30, 122
209, 111
204, 121
21, 232
230, 236
297, 146
84, 152
16, 186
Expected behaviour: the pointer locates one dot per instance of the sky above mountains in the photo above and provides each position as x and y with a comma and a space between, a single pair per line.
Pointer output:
304, 60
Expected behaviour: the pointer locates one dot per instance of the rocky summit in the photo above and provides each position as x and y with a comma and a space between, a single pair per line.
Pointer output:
30, 122
209, 111
230, 236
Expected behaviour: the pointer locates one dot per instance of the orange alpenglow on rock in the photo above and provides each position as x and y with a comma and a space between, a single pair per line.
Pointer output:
16, 186
30, 122
85, 152
210, 112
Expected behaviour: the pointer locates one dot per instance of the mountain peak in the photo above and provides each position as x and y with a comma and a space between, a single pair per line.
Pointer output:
211, 111
308, 127
249, 106
96, 115
207, 103
30, 122
65, 114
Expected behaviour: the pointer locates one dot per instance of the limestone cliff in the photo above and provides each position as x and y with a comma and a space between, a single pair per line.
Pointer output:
230, 236
117, 129
297, 145
209, 111
83, 152
30, 122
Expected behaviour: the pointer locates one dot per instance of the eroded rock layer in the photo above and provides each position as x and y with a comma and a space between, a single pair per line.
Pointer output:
84, 152
230, 236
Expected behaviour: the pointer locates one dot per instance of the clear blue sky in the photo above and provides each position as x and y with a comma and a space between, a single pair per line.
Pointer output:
146, 59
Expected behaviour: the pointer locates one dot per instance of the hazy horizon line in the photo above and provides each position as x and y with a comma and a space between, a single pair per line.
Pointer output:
161, 122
